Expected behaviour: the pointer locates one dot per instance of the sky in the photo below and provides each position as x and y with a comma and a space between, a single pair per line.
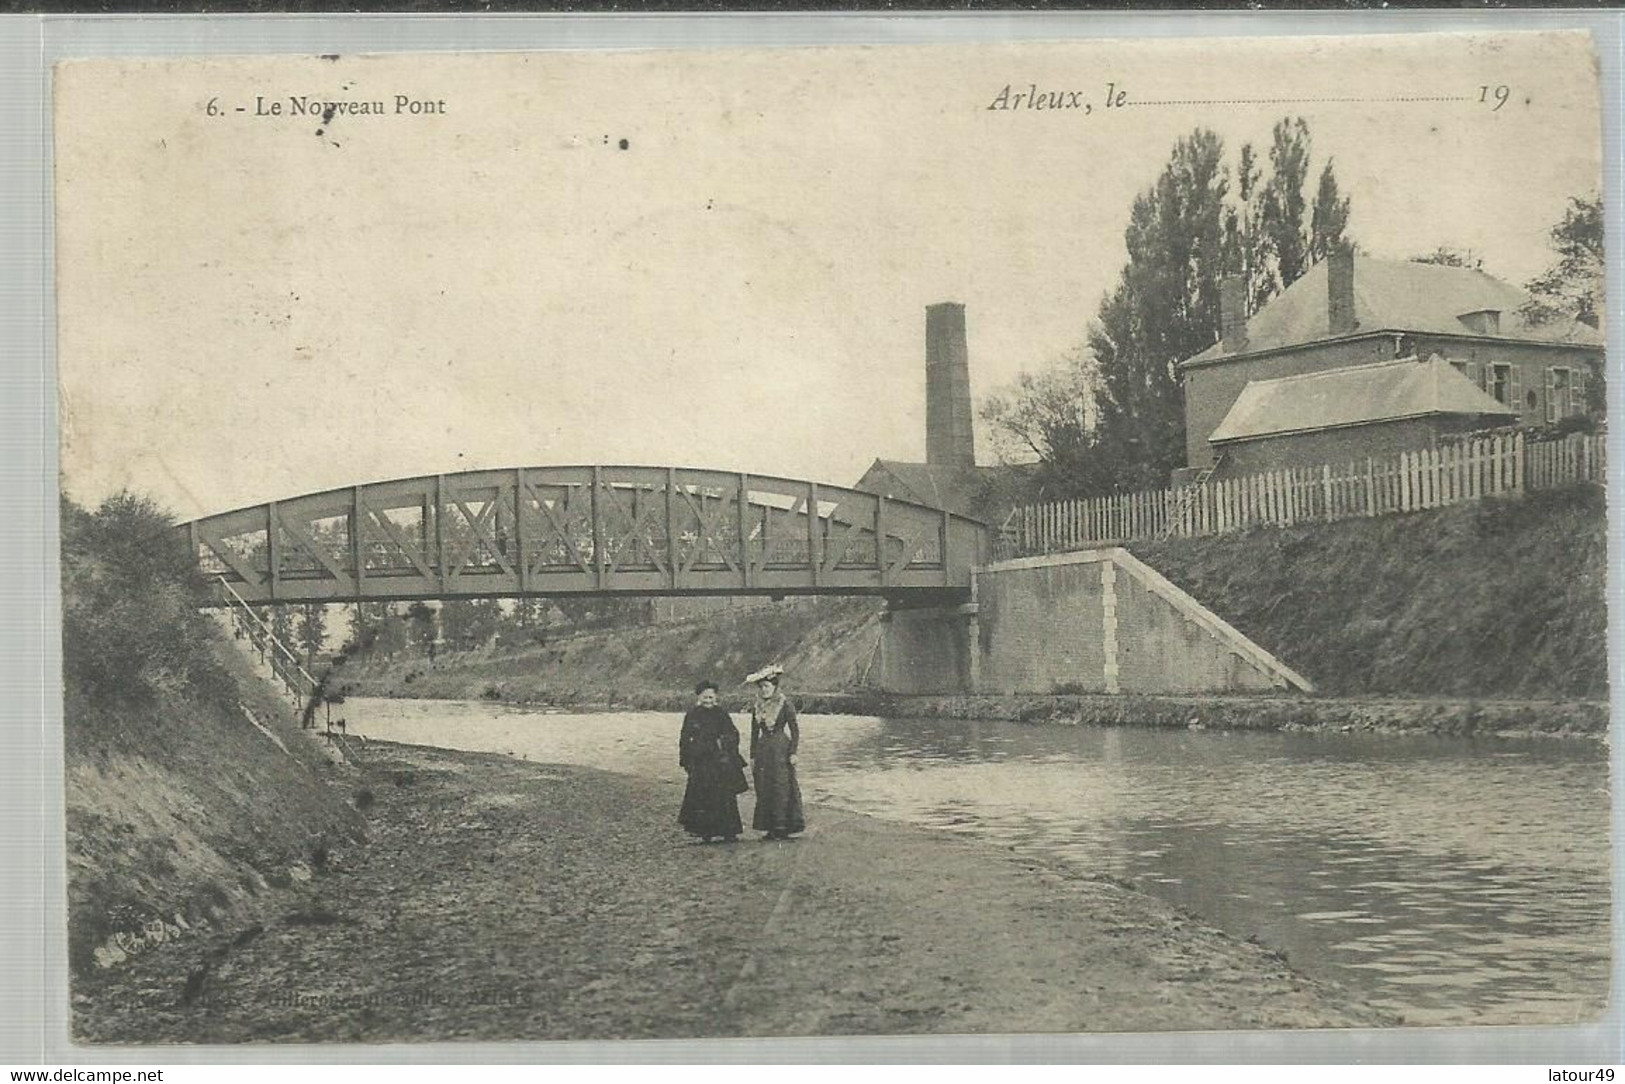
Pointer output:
254, 305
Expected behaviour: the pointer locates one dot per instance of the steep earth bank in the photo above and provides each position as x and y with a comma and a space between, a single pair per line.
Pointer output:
193, 801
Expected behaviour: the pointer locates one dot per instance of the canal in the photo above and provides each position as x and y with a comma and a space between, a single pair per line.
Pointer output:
1452, 881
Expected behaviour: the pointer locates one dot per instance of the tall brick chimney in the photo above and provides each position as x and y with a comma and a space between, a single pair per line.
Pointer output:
949, 436
1233, 314
1340, 292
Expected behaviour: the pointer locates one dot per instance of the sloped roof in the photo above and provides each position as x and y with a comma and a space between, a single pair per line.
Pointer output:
1399, 295
1382, 391
981, 493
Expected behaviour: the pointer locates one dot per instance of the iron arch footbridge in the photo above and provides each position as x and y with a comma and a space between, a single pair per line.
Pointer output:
585, 530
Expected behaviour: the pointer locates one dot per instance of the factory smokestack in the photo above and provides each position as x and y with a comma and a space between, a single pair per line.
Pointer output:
950, 439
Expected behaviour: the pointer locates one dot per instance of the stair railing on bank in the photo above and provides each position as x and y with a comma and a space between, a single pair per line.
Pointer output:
1504, 464
284, 663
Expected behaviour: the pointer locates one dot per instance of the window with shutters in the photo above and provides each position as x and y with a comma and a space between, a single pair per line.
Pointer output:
1559, 398
1498, 383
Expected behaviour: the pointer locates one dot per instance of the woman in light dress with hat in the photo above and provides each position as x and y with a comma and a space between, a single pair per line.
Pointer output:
774, 736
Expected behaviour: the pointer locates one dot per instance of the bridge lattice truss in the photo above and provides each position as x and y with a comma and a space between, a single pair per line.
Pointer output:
590, 530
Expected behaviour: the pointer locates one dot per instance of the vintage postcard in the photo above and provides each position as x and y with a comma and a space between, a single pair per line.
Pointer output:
1102, 536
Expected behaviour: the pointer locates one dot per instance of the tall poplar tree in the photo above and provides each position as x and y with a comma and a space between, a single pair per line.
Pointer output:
1124, 428
1164, 309
1329, 218
1284, 205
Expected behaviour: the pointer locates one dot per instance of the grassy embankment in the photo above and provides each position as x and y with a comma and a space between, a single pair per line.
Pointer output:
1495, 599
1480, 617
191, 795
827, 644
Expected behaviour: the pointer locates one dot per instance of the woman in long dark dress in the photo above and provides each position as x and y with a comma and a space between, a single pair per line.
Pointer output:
774, 736
709, 751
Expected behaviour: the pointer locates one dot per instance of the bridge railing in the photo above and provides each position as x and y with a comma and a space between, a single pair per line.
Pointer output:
594, 529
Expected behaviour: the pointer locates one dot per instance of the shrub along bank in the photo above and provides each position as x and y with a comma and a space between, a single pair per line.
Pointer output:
190, 793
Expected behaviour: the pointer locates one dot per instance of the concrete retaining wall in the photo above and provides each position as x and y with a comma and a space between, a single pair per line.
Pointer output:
1097, 621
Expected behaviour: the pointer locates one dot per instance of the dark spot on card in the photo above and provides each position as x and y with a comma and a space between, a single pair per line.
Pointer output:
327, 114
318, 131
330, 56
625, 144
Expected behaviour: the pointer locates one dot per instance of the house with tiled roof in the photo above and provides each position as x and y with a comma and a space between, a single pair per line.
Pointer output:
1405, 324
1377, 409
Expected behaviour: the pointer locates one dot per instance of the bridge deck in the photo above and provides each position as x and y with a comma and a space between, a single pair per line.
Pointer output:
586, 530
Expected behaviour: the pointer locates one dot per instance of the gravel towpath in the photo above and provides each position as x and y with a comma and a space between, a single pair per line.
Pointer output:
503, 900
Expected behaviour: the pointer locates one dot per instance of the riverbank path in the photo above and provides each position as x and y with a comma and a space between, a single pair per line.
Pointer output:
502, 900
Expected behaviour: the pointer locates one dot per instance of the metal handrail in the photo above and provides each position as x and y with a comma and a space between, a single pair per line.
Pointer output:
242, 609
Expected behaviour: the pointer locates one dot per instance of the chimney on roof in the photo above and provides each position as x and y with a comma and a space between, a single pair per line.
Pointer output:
1233, 314
1340, 292
950, 439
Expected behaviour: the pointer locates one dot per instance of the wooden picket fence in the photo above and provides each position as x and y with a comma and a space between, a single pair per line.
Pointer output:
1492, 466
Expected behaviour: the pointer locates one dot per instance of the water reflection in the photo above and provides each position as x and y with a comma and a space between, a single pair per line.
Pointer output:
1446, 880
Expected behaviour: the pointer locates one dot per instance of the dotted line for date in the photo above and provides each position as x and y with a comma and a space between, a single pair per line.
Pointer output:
1291, 101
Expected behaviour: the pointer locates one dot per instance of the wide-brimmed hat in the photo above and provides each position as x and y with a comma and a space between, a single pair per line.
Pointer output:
766, 673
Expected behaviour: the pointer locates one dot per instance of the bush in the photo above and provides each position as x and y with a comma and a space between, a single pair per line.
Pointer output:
131, 628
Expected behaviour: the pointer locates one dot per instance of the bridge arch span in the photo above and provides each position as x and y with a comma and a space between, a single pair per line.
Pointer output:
586, 530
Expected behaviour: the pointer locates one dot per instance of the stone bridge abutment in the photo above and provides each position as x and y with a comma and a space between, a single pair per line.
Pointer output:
1096, 621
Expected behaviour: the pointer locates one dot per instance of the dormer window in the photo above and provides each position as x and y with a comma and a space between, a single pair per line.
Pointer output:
1482, 321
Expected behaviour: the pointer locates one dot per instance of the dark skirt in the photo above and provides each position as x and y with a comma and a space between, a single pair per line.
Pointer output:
710, 807
778, 797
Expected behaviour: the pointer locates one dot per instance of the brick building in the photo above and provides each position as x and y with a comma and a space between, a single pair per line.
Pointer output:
1351, 311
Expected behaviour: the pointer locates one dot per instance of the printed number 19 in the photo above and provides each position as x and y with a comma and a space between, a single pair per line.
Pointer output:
1499, 93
